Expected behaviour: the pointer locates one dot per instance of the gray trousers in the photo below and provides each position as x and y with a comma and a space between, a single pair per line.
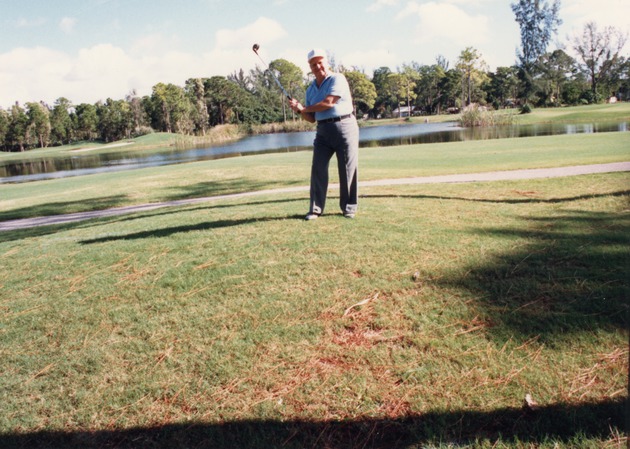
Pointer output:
341, 139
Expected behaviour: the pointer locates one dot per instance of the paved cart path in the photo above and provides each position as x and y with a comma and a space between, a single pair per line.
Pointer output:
536, 173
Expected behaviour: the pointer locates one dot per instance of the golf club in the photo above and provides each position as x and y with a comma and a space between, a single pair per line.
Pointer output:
256, 47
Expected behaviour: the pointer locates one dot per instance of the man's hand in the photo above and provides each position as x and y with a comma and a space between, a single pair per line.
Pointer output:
296, 106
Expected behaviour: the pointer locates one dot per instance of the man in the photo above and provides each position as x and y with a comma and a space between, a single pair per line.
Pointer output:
329, 103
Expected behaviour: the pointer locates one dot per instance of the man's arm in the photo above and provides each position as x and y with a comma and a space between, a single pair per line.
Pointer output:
308, 112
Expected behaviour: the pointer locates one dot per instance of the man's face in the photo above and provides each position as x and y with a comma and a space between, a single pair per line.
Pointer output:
318, 67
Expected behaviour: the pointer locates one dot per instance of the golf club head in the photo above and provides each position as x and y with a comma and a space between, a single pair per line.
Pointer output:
255, 48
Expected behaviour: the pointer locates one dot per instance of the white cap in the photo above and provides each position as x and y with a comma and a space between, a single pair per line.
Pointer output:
316, 53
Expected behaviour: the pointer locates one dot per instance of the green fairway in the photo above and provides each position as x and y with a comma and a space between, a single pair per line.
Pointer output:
424, 322
234, 175
578, 114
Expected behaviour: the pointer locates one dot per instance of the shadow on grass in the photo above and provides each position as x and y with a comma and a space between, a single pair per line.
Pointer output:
228, 187
198, 190
570, 277
527, 200
43, 230
557, 423
167, 232
161, 212
62, 208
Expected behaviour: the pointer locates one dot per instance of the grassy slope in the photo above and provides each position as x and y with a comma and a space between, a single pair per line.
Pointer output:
580, 114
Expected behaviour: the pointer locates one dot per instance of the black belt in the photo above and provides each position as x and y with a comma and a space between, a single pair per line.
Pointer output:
334, 119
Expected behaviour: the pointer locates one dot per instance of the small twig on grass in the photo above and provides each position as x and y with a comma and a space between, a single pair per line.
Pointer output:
528, 343
520, 263
166, 354
360, 303
125, 407
197, 290
40, 373
25, 311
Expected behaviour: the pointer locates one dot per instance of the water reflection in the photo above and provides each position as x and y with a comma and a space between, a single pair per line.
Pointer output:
379, 136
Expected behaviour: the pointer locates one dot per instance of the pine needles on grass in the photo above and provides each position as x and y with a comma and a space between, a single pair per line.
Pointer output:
424, 322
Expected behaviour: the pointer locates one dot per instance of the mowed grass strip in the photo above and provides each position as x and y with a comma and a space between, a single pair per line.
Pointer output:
254, 173
425, 321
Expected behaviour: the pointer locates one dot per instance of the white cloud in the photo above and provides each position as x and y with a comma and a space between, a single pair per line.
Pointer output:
370, 60
233, 47
379, 4
470, 3
154, 44
106, 71
67, 24
33, 74
262, 31
444, 22
602, 12
98, 62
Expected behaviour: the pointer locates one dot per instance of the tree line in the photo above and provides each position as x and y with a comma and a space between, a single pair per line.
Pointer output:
538, 78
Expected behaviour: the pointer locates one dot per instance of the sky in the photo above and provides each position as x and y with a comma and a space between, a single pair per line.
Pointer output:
91, 50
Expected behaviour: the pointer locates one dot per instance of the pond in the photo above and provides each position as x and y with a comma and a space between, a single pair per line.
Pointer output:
84, 163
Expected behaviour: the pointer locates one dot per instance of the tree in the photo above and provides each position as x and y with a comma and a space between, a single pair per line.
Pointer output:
450, 89
196, 92
599, 52
503, 86
38, 129
556, 69
138, 114
386, 99
292, 79
395, 89
624, 85
473, 70
171, 109
429, 86
362, 90
60, 121
265, 105
244, 81
115, 120
86, 121
402, 87
223, 98
4, 127
18, 124
409, 78
538, 21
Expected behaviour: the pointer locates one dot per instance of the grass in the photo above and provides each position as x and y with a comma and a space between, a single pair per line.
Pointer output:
235, 324
573, 114
240, 321
235, 175
578, 114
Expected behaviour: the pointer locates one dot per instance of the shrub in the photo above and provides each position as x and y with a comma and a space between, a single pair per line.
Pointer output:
526, 109
142, 131
474, 115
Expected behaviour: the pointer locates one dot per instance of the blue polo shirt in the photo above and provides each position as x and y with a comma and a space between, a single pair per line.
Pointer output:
335, 84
